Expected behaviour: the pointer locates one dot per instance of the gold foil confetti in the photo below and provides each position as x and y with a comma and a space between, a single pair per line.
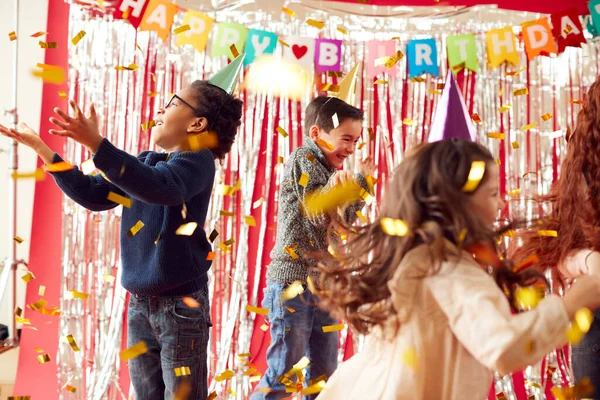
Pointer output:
60, 166
527, 298
250, 221
62, 95
315, 23
409, 122
580, 326
515, 145
257, 310
152, 94
462, 235
548, 233
475, 175
210, 256
225, 213
212, 396
28, 277
38, 305
38, 34
72, 343
410, 358
513, 73
201, 141
74, 294
213, 235
18, 311
148, 125
229, 242
18, 239
381, 60
333, 328
259, 202
186, 229
234, 51
282, 132
288, 12
71, 388
520, 92
329, 87
515, 192
323, 143
335, 120
227, 190
122, 200
546, 116
134, 351
43, 358
311, 285
434, 91
22, 320
319, 202
182, 371
223, 376
362, 217
361, 145
135, 229
48, 45
290, 309
342, 30
418, 79
38, 175
576, 101
310, 157
380, 82
314, 388
281, 42
371, 133
181, 29
528, 127
567, 29
12, 36
505, 107
125, 14
264, 327
77, 38
391, 61
393, 227
291, 251
303, 181
190, 302
496, 135
292, 291
231, 392
108, 278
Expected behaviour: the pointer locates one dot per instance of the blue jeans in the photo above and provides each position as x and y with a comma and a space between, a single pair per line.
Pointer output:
176, 336
586, 357
296, 331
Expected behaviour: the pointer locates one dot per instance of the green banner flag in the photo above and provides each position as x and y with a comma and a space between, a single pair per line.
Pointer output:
462, 52
229, 33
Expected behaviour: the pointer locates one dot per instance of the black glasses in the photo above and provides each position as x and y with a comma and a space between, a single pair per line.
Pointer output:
194, 108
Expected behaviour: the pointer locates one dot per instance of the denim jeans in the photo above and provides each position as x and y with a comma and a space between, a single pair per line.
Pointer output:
176, 336
586, 357
296, 331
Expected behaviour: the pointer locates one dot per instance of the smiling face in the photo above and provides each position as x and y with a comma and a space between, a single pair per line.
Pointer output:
177, 120
343, 139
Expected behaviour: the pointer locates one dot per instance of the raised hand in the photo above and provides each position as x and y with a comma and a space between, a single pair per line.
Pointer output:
366, 167
80, 128
24, 135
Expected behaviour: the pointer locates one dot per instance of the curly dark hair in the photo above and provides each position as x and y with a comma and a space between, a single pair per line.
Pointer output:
425, 192
223, 112
574, 197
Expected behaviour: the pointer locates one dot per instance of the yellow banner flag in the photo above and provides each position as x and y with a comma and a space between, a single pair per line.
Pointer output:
501, 46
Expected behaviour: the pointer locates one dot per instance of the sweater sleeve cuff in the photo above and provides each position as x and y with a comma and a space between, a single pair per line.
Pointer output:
56, 158
108, 158
362, 182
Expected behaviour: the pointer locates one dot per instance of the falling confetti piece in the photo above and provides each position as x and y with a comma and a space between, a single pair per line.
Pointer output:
513, 73
281, 42
264, 327
329, 87
410, 358
418, 79
381, 60
187, 229
250, 221
548, 233
201, 141
282, 132
122, 200
28, 277
59, 167
361, 145
496, 135
409, 122
520, 92
148, 125
229, 242
362, 217
335, 120
342, 30
181, 29
22, 320
213, 235
18, 239
546, 116
108, 278
212, 396
475, 117
515, 145
371, 133
12, 36
576, 101
333, 328
135, 229
315, 23
134, 351
210, 256
41, 290
515, 192
225, 213
381, 82
567, 29
71, 388
74, 294
323, 143
182, 371
43, 358
77, 38
48, 45
227, 190
303, 181
292, 291
257, 310
319, 202
291, 251
393, 227
223, 376
62, 95
72, 343
527, 298
152, 94
314, 388
475, 175
311, 158
505, 107
528, 127
190, 302
234, 51
50, 74
38, 34
288, 12
18, 311
391, 61
434, 91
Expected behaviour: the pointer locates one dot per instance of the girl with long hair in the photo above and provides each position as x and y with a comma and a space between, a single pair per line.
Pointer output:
437, 322
575, 216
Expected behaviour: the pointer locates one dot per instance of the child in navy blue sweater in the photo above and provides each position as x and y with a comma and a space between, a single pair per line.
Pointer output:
160, 268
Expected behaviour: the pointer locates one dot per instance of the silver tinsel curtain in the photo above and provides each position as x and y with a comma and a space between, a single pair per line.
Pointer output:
91, 247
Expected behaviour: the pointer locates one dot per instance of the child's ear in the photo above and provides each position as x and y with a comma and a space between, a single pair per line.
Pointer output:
198, 126
313, 133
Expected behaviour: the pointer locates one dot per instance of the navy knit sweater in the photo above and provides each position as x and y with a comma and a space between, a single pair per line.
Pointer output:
159, 184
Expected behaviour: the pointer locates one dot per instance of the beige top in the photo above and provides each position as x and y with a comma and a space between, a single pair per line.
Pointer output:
457, 328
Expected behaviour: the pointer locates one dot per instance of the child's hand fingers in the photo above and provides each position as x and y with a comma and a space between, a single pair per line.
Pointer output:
63, 115
63, 133
59, 123
75, 108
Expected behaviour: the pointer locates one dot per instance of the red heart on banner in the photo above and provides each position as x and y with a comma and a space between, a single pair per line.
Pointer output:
299, 51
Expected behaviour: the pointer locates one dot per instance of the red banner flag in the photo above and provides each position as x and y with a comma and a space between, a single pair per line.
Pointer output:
131, 10
567, 29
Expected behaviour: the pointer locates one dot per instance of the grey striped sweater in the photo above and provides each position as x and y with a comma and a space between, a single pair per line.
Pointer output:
295, 230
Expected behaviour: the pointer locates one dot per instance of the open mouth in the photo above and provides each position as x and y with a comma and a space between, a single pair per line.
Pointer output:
158, 122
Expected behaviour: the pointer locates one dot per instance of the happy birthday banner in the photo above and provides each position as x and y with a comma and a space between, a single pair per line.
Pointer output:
542, 37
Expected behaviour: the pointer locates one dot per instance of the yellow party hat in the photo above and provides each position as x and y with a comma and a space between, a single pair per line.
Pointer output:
348, 86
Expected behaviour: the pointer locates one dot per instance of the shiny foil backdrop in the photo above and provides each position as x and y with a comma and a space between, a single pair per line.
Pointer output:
91, 240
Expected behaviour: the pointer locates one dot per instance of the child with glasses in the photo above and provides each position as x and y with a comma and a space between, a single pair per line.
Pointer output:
165, 190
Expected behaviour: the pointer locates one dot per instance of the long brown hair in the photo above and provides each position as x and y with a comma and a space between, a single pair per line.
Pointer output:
426, 193
574, 197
